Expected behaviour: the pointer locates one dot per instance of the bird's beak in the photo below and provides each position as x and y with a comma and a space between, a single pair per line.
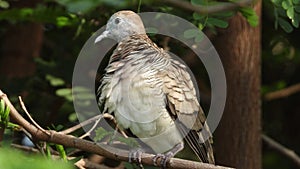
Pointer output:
105, 34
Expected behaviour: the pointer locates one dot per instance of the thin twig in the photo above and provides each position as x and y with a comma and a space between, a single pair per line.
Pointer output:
103, 150
281, 149
29, 116
25, 148
27, 134
221, 7
112, 118
80, 125
283, 92
88, 133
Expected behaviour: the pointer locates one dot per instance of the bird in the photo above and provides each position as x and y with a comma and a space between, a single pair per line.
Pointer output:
151, 93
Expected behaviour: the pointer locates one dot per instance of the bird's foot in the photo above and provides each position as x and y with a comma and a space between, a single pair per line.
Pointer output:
167, 156
164, 159
135, 156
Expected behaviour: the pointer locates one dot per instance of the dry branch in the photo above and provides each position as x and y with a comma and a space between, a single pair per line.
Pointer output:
222, 7
283, 92
82, 124
92, 147
281, 149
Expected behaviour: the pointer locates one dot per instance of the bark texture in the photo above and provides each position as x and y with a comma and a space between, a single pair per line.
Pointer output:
238, 137
21, 44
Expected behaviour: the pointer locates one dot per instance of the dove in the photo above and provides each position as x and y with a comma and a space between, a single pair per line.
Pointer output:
151, 93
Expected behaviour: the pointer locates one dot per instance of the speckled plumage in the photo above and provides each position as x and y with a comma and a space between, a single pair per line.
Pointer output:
148, 90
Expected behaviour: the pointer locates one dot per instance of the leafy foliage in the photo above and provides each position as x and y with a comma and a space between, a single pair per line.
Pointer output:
4, 113
101, 133
286, 9
220, 19
4, 116
250, 15
13, 159
41, 13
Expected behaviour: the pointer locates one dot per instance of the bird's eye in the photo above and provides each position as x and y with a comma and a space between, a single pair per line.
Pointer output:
117, 20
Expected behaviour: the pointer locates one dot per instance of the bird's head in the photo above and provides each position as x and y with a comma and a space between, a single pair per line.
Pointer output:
121, 25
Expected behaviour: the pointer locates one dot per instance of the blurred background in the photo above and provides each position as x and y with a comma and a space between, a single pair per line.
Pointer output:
41, 39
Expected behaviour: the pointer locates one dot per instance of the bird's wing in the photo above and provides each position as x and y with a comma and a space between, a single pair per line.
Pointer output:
183, 106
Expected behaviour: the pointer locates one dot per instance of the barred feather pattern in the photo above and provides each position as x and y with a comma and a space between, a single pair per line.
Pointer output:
141, 81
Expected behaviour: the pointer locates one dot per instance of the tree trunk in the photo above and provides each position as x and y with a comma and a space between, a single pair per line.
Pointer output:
21, 43
238, 136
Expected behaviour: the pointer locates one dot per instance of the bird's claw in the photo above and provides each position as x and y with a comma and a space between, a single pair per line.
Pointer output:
164, 159
135, 156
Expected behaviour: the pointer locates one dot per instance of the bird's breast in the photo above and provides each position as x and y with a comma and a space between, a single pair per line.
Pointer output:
136, 96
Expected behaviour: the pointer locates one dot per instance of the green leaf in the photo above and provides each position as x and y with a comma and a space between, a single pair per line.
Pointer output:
218, 22
247, 11
199, 38
290, 12
198, 16
286, 26
200, 26
83, 93
253, 20
296, 1
63, 92
62, 152
72, 117
190, 33
12, 125
277, 2
2, 107
80, 89
128, 141
281, 12
6, 114
100, 133
286, 4
57, 127
44, 62
62, 21
295, 21
250, 15
297, 8
84, 96
4, 4
48, 151
55, 81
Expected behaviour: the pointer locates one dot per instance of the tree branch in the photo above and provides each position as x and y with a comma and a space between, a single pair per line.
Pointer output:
283, 92
29, 116
221, 7
80, 125
92, 147
281, 149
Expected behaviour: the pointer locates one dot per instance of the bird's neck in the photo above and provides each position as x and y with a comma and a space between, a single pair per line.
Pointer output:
133, 44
